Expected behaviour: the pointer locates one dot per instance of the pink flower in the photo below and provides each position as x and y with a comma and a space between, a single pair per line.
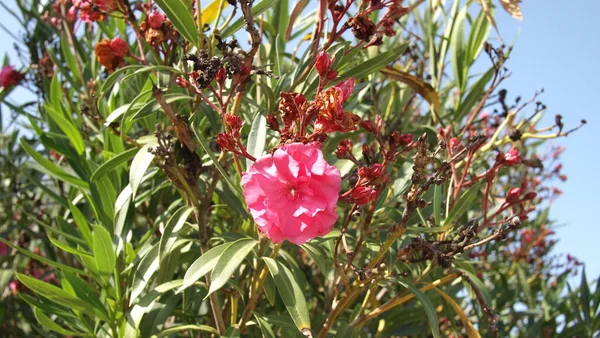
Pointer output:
293, 193
156, 19
9, 77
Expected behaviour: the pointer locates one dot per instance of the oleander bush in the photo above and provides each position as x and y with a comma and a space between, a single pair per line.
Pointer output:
182, 168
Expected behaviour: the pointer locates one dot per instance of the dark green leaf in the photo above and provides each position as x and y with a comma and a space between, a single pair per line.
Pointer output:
290, 293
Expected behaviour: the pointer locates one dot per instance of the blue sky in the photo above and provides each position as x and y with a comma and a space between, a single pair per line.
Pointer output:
557, 49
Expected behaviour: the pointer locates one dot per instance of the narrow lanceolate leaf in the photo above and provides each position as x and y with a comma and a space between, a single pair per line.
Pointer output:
257, 138
182, 328
49, 324
203, 265
169, 236
139, 165
291, 294
68, 128
103, 252
419, 86
54, 294
144, 272
43, 259
113, 163
180, 14
52, 169
229, 261
432, 316
373, 65
462, 205
471, 330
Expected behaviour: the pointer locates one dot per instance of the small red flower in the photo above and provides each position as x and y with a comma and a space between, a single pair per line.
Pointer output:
9, 77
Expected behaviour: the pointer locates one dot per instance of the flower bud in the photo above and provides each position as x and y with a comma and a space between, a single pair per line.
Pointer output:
272, 122
344, 149
234, 122
181, 82
221, 76
363, 195
530, 196
368, 126
513, 195
225, 142
513, 157
323, 63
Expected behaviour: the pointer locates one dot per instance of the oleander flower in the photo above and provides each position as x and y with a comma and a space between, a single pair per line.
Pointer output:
292, 194
9, 77
111, 53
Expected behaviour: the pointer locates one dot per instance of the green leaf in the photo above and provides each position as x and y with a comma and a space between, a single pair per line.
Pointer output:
232, 332
257, 138
144, 271
229, 261
113, 163
170, 233
52, 169
264, 326
373, 65
177, 329
291, 294
203, 265
317, 256
457, 44
430, 311
180, 14
85, 292
463, 204
257, 10
103, 252
49, 324
68, 128
474, 95
153, 106
585, 297
139, 165
70, 59
54, 294
82, 225
43, 259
